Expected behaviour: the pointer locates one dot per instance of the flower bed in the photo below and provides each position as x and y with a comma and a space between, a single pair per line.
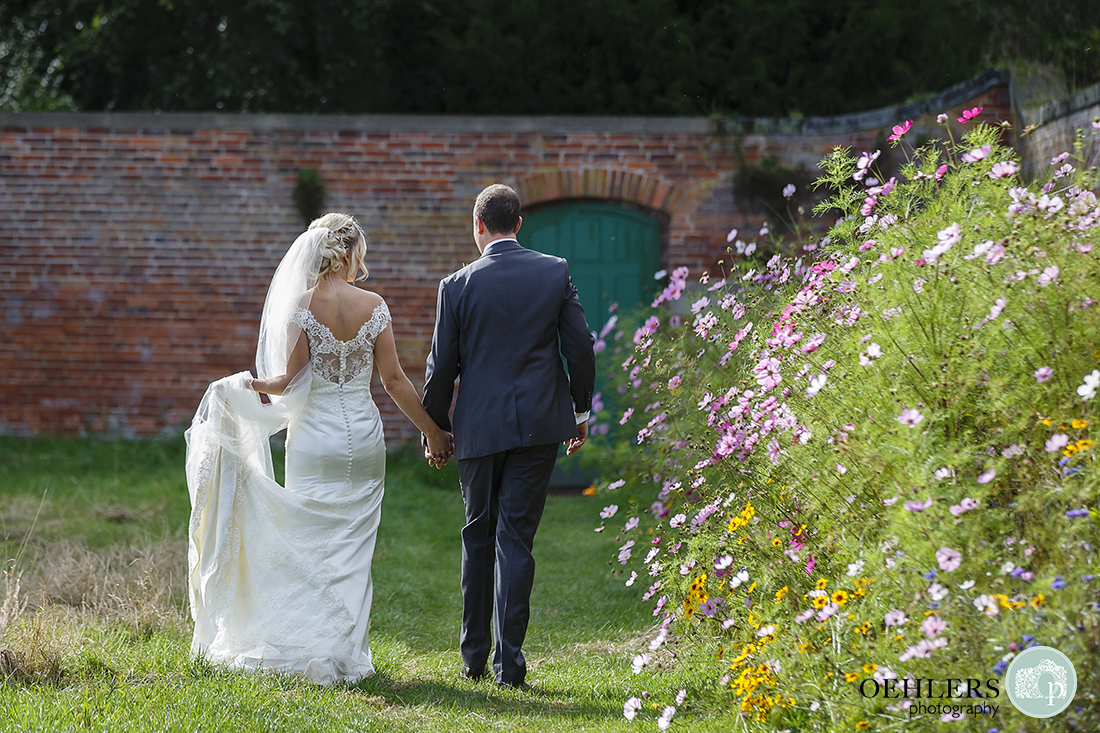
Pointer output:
864, 469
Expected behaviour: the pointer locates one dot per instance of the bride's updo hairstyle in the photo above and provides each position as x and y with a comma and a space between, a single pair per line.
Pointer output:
345, 237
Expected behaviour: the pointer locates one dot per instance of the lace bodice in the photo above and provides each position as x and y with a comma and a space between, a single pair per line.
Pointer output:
341, 361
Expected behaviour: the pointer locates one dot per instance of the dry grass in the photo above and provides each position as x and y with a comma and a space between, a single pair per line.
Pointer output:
53, 593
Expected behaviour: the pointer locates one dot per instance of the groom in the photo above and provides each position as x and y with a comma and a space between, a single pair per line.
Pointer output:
499, 322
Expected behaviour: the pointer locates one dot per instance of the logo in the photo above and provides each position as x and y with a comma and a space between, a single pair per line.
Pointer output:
1041, 682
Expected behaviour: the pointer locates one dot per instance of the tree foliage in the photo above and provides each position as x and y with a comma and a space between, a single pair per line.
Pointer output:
786, 57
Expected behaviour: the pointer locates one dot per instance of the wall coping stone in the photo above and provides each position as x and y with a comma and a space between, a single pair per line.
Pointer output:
511, 124
1081, 100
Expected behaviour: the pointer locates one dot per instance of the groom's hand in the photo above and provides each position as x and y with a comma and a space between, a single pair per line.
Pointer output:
573, 445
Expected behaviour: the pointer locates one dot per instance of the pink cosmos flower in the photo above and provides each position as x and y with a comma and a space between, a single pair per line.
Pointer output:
987, 476
940, 172
1043, 373
1056, 442
918, 506
910, 418
900, 130
976, 154
895, 618
969, 114
933, 626
609, 511
804, 616
948, 559
941, 118
1048, 275
966, 505
1004, 169
788, 190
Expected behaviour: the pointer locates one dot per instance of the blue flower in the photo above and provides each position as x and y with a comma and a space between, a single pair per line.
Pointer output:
1058, 583
1028, 638
1088, 578
1063, 461
1000, 667
930, 574
1071, 513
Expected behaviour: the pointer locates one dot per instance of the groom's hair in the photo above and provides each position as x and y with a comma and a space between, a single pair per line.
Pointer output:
498, 208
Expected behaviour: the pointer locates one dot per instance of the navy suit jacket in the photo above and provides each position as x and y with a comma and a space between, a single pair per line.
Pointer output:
502, 325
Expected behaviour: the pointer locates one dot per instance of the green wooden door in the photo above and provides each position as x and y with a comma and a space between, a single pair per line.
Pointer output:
612, 252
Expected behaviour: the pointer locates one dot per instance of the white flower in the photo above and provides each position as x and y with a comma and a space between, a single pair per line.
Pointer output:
1092, 383
1007, 568
937, 592
633, 577
854, 568
655, 644
631, 707
788, 190
741, 577
677, 520
987, 604
765, 630
816, 383
681, 696
640, 661
942, 473
967, 585
665, 720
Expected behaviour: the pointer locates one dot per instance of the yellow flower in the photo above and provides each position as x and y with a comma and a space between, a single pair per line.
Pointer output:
751, 588
851, 676
821, 583
840, 597
820, 601
780, 594
899, 637
1038, 600
1079, 423
1047, 421
1002, 599
777, 542
862, 725
1084, 444
1070, 450
869, 668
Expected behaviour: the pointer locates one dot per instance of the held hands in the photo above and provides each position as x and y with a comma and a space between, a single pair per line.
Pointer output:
574, 444
440, 448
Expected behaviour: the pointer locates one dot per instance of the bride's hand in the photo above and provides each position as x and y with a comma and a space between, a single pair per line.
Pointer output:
440, 448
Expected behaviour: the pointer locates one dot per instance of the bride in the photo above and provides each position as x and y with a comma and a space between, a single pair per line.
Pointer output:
280, 578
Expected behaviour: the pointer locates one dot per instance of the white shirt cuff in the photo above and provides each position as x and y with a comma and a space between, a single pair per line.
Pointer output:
582, 416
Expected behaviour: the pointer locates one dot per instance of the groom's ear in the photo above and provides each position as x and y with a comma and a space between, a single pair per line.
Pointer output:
518, 225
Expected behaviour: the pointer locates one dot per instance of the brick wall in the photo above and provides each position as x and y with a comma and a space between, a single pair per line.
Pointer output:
1055, 130
135, 249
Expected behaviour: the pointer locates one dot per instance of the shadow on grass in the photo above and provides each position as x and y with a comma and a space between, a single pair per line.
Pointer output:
485, 697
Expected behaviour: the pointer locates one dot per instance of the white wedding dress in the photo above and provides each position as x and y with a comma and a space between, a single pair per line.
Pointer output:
280, 578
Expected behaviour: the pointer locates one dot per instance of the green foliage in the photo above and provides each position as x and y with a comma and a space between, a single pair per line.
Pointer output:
1062, 33
878, 460
733, 57
309, 194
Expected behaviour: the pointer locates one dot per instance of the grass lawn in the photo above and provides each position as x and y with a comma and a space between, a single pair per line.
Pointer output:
98, 528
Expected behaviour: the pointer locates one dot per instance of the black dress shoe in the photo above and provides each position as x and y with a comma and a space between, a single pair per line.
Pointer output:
514, 685
474, 674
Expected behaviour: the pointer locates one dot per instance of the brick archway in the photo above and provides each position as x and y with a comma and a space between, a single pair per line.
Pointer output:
598, 183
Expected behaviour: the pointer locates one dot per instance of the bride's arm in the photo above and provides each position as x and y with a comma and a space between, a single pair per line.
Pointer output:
404, 394
299, 358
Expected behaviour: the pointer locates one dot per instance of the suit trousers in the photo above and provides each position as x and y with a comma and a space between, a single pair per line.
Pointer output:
504, 494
